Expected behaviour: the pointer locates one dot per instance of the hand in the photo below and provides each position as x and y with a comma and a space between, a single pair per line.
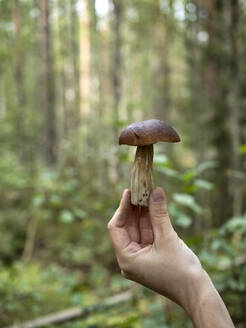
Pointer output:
150, 252
148, 249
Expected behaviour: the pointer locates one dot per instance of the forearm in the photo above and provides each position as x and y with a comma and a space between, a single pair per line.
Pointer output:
207, 309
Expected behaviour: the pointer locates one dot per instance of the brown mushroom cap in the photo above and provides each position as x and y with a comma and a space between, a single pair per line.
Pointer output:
148, 133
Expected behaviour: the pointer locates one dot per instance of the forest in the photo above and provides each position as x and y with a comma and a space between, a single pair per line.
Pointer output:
73, 75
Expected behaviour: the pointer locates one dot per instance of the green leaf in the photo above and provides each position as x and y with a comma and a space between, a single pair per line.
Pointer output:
76, 299
203, 184
66, 216
55, 200
183, 220
169, 172
81, 214
206, 165
188, 176
160, 159
188, 201
180, 218
242, 149
38, 200
236, 224
124, 157
238, 174
190, 188
120, 123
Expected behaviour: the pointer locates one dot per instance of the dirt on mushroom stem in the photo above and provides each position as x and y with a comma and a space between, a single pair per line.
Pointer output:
141, 179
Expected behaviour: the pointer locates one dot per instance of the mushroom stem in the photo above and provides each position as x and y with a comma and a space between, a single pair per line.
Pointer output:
141, 179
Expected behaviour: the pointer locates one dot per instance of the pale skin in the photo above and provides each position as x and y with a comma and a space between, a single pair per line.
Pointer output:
150, 252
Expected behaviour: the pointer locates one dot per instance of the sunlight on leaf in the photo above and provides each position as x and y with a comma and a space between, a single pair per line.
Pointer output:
189, 201
203, 184
66, 216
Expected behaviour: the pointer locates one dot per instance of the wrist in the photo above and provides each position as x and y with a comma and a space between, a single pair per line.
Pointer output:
200, 290
204, 304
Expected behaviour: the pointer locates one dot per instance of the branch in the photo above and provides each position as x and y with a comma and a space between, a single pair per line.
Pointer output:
74, 313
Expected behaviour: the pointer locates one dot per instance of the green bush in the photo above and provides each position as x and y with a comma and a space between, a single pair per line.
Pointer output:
71, 261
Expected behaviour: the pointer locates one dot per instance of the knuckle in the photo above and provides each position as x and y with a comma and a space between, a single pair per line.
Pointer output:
161, 217
160, 213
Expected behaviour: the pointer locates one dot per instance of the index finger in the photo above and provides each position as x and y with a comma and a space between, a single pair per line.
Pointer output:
121, 214
118, 233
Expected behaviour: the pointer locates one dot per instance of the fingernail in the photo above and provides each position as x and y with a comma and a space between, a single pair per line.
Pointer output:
158, 195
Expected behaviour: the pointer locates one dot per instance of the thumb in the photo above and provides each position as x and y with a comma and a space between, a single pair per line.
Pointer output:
159, 217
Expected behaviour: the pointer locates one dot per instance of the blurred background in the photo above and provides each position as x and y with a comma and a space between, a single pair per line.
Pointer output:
73, 74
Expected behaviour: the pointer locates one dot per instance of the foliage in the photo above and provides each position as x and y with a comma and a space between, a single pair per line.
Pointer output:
223, 255
37, 289
73, 249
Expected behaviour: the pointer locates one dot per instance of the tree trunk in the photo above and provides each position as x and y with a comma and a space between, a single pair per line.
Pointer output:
85, 62
165, 34
75, 64
198, 97
48, 96
18, 54
2, 98
117, 64
217, 84
197, 106
114, 169
30, 237
19, 82
63, 117
234, 109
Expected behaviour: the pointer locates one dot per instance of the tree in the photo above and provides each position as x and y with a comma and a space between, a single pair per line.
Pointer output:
117, 63
216, 81
48, 86
234, 105
19, 79
85, 60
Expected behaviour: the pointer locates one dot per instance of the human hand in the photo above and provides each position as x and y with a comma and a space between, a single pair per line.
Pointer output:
148, 249
150, 252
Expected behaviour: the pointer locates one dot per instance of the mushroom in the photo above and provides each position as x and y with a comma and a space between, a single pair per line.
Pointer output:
144, 135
